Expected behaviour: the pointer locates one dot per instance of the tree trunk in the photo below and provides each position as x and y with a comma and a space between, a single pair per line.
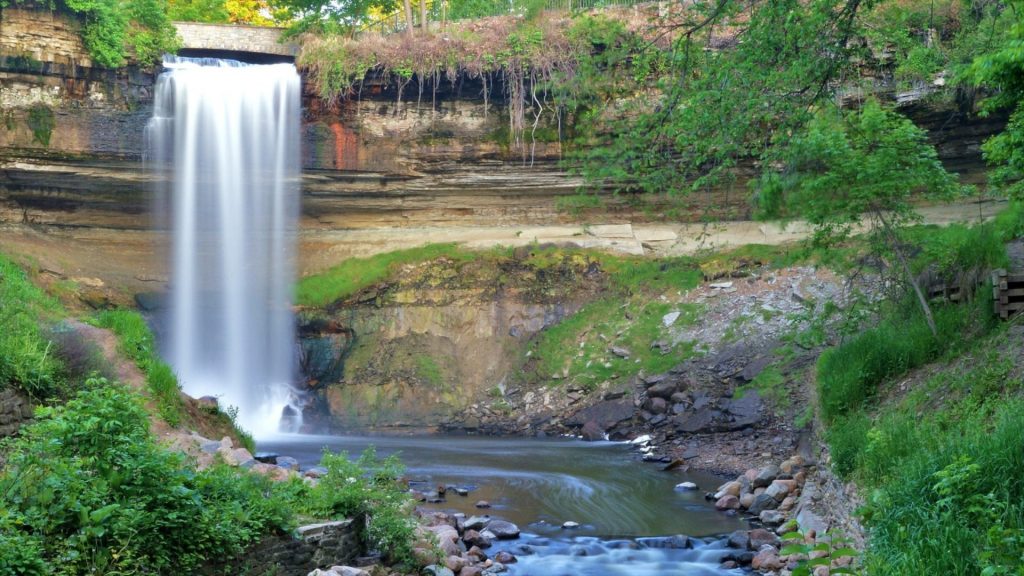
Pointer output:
423, 14
408, 16
921, 298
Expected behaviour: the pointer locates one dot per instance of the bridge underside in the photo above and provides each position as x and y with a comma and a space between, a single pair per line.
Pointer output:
241, 56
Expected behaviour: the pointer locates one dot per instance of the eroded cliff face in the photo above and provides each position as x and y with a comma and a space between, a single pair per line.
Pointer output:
439, 344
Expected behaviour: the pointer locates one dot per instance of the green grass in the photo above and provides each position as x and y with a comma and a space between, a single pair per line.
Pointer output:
770, 385
27, 357
850, 375
428, 370
354, 274
579, 347
136, 341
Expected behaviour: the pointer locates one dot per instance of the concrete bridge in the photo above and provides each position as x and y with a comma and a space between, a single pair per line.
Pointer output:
254, 44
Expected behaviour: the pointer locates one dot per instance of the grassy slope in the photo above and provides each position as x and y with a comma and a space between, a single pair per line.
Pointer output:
938, 453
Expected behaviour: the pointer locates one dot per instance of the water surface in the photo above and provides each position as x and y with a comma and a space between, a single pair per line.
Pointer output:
623, 505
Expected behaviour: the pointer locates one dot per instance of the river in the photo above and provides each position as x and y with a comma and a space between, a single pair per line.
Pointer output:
627, 510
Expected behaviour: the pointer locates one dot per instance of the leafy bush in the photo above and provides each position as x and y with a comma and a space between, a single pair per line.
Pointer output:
367, 488
26, 355
88, 489
136, 341
951, 500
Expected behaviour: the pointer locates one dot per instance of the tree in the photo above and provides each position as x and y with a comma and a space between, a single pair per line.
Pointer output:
1002, 71
857, 166
331, 16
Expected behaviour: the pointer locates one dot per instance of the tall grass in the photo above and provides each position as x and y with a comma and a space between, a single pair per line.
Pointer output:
27, 357
952, 496
136, 341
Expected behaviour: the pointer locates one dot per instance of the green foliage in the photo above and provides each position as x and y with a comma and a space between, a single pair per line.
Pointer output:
41, 122
328, 17
209, 11
136, 341
368, 488
849, 375
89, 491
354, 274
27, 359
115, 30
428, 370
866, 163
580, 346
949, 500
829, 548
1001, 69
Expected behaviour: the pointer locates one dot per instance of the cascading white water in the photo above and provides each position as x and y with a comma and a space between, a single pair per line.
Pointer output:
227, 136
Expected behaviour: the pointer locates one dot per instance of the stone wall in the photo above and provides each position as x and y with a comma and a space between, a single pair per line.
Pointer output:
234, 38
15, 411
314, 546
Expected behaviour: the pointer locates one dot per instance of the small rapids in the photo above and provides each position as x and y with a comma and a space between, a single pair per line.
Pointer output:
628, 511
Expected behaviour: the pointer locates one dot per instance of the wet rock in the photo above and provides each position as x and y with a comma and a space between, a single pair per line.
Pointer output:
686, 486
435, 570
505, 558
483, 504
474, 538
476, 522
503, 529
766, 476
772, 518
288, 462
605, 414
747, 500
759, 538
471, 571
569, 525
728, 502
592, 432
315, 472
767, 559
739, 539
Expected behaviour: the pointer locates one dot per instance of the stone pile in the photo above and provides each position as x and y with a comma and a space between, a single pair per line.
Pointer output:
772, 496
461, 542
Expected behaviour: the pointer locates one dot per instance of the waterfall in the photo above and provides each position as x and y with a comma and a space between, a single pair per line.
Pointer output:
226, 136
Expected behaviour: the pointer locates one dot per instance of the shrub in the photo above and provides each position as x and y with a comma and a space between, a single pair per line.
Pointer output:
88, 488
369, 489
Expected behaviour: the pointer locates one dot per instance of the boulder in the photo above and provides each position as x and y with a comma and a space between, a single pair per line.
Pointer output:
766, 560
288, 462
779, 489
503, 530
605, 414
592, 432
766, 476
728, 502
663, 389
739, 539
729, 489
761, 503
474, 538
505, 558
759, 538
435, 570
476, 522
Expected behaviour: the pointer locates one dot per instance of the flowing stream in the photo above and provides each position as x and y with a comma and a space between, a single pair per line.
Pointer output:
227, 135
627, 510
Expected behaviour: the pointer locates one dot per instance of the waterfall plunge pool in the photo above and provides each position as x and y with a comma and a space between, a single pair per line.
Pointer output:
625, 507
